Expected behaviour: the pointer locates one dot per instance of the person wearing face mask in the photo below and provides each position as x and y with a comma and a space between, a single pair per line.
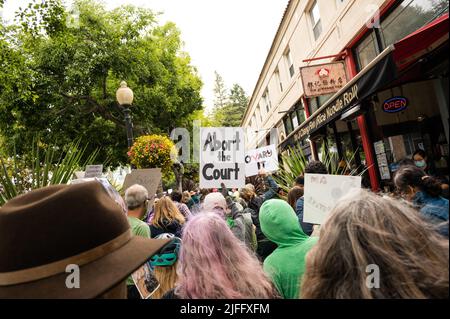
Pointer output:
422, 161
425, 192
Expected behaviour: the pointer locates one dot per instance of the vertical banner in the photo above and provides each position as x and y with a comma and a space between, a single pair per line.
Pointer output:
261, 158
322, 192
222, 157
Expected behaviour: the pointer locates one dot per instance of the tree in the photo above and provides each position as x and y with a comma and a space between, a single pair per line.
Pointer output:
235, 108
231, 113
220, 92
59, 80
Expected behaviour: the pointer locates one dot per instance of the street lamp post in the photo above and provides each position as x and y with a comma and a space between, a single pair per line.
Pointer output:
125, 98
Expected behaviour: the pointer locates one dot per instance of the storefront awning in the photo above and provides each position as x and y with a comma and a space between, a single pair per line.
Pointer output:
387, 67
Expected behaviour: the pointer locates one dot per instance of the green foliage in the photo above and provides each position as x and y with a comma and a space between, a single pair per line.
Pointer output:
228, 108
293, 164
59, 79
47, 165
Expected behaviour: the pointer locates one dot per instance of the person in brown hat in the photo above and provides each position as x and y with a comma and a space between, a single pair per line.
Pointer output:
70, 242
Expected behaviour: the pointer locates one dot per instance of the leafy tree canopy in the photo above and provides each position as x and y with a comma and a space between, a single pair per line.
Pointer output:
60, 69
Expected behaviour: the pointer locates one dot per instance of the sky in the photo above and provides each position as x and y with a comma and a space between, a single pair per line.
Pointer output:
232, 37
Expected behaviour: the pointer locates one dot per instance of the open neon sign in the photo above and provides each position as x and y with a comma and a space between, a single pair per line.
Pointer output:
395, 104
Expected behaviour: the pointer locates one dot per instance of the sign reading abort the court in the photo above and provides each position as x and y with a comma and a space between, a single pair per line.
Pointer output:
222, 157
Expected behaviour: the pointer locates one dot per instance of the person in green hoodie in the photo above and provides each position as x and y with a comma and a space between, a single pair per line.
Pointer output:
286, 265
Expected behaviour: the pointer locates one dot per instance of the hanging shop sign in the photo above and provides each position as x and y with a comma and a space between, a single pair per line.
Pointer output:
323, 79
395, 104
222, 157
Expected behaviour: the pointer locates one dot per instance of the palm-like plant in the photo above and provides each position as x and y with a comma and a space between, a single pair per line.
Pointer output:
293, 164
53, 167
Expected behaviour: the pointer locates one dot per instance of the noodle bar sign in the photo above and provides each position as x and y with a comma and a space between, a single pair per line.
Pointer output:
330, 112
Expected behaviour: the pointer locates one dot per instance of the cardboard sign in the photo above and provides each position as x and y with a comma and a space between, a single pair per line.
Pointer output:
261, 158
145, 281
93, 171
149, 178
222, 157
322, 192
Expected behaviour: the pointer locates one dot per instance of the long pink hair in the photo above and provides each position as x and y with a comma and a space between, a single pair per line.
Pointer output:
214, 264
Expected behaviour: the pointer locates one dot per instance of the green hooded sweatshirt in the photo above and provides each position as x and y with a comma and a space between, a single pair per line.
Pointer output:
286, 265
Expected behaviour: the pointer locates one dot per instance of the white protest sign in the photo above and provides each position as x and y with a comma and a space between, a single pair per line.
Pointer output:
261, 158
149, 178
222, 157
322, 192
93, 171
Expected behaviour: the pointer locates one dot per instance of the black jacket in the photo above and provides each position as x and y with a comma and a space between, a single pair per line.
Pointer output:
172, 228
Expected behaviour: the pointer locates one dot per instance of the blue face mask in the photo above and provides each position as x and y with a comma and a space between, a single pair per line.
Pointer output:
421, 164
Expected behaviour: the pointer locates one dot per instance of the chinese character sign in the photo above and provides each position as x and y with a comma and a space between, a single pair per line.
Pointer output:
323, 79
222, 157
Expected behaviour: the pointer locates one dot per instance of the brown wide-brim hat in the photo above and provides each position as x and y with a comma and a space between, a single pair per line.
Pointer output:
44, 232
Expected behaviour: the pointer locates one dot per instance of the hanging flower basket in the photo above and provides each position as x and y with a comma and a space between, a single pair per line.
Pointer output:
153, 151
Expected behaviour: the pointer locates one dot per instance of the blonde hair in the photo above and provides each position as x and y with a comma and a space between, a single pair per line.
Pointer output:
371, 230
167, 277
186, 197
165, 210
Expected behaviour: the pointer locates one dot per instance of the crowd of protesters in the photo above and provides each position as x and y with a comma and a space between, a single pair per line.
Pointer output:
233, 244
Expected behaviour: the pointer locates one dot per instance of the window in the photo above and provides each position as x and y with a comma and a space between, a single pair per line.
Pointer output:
316, 102
294, 118
315, 19
278, 79
266, 100
288, 127
289, 62
366, 51
410, 16
258, 111
406, 18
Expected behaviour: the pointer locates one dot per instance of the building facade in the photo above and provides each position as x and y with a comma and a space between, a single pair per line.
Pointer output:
394, 97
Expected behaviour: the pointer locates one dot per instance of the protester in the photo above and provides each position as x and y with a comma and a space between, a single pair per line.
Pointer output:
300, 181
71, 225
314, 167
294, 195
215, 265
167, 218
136, 199
164, 265
375, 247
286, 265
422, 161
424, 191
264, 246
177, 198
187, 199
228, 210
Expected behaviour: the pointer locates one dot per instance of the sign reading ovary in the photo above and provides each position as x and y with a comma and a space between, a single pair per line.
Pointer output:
322, 192
262, 158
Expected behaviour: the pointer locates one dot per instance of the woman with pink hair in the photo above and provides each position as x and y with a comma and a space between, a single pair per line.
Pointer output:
214, 264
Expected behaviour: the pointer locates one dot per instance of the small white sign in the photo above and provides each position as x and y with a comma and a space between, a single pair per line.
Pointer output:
322, 192
262, 158
222, 157
93, 171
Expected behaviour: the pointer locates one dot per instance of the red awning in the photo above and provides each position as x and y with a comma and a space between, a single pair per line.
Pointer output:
426, 39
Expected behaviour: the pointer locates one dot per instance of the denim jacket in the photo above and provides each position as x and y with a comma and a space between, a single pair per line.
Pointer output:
435, 208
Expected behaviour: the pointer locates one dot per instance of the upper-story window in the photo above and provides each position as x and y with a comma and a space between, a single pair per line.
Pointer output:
289, 62
278, 79
315, 19
259, 114
407, 17
266, 99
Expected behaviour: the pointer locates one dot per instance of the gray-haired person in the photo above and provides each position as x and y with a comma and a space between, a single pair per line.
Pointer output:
136, 198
